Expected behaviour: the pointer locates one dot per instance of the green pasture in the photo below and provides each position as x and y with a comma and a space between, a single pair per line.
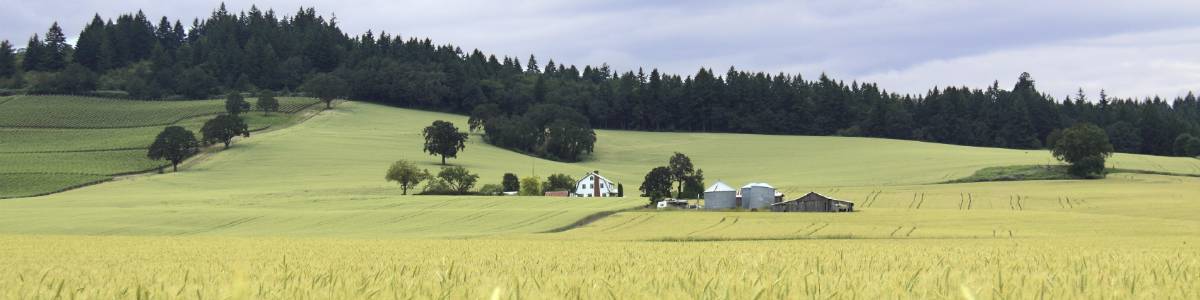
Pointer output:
48, 143
90, 112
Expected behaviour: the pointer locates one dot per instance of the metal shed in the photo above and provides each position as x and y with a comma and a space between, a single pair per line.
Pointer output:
814, 202
720, 196
758, 196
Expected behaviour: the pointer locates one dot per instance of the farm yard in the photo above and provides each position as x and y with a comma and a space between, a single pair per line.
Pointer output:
48, 143
304, 212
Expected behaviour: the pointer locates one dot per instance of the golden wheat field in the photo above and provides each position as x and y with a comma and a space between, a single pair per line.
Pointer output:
46, 267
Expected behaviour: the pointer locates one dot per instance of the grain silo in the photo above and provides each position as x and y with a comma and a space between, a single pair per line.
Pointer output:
758, 196
720, 196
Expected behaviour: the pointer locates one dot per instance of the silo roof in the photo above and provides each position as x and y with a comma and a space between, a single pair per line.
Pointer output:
719, 187
758, 184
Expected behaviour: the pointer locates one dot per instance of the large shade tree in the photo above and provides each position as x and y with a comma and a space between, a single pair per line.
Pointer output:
443, 139
657, 184
223, 128
681, 170
174, 144
511, 183
1085, 147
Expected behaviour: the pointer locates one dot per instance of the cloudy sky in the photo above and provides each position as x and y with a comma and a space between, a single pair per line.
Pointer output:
1130, 48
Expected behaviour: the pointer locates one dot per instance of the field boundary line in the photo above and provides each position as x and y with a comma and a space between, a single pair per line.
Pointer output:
81, 185
176, 121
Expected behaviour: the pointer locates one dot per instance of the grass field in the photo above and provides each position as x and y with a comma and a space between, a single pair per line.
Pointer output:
304, 212
82, 140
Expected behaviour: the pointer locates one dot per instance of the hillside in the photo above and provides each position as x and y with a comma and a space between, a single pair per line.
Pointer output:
48, 143
325, 176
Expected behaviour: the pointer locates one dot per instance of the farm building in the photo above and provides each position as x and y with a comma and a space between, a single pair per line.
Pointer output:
757, 196
594, 185
720, 196
557, 194
814, 202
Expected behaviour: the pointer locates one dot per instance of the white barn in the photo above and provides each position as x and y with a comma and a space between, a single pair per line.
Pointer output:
594, 185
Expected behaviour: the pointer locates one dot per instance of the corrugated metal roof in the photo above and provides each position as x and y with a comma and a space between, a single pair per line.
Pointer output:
758, 184
719, 187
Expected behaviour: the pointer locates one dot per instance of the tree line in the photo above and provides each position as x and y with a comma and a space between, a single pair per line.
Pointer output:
260, 50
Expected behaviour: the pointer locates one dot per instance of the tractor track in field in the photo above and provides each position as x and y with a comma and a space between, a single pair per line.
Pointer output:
722, 221
589, 219
533, 220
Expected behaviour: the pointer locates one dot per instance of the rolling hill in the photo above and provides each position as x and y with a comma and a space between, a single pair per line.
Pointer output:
304, 212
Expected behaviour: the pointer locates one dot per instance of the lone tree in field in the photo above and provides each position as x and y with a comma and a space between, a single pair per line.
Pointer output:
458, 178
235, 104
326, 87
657, 184
1084, 146
267, 102
681, 170
406, 174
223, 128
511, 183
174, 144
443, 139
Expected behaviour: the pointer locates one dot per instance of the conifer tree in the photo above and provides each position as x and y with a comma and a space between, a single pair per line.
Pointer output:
8, 60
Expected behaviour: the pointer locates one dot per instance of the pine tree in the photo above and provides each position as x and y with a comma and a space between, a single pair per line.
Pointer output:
56, 47
8, 60
91, 40
33, 55
533, 66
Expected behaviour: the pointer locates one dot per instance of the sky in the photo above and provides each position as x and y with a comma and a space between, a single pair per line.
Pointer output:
1129, 48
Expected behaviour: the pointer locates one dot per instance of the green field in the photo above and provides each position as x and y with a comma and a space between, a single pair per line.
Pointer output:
306, 213
80, 140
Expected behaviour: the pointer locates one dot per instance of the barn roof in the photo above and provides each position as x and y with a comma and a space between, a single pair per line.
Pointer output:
827, 197
720, 186
813, 193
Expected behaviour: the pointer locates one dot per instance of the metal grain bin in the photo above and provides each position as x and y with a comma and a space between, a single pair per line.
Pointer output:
758, 196
720, 196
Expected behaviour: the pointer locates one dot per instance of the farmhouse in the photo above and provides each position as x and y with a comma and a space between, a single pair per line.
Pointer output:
594, 185
814, 202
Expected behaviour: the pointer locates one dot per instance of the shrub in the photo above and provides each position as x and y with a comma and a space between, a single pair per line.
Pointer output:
491, 190
531, 186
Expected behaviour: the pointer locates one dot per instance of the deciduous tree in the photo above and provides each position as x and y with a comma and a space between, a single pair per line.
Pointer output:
443, 139
406, 174
267, 102
681, 169
511, 183
223, 128
235, 104
174, 144
1085, 147
531, 186
657, 184
458, 178
326, 87
559, 182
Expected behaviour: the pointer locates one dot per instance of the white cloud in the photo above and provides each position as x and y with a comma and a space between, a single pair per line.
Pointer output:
1164, 63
